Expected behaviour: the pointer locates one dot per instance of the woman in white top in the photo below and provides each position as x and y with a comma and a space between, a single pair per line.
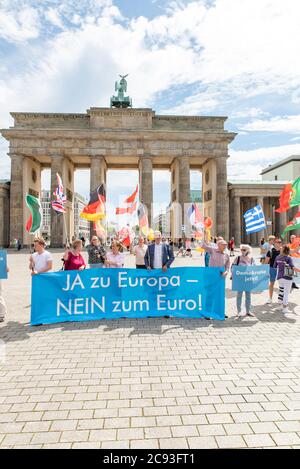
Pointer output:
115, 258
139, 251
41, 261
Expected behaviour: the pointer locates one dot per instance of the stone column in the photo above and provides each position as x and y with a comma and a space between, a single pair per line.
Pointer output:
17, 198
57, 222
97, 177
146, 184
221, 198
98, 171
184, 191
4, 215
237, 219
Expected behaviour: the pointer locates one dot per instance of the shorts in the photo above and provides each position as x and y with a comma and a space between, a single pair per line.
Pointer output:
273, 274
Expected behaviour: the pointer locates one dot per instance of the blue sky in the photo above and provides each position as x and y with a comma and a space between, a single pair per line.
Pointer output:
205, 57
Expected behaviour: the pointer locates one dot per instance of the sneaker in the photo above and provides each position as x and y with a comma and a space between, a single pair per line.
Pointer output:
285, 310
1, 319
269, 302
251, 315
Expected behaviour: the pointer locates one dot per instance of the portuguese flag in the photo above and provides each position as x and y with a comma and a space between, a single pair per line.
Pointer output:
290, 196
292, 225
95, 209
35, 218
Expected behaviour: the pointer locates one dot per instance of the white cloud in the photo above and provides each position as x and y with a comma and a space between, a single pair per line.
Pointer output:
233, 50
249, 112
248, 164
289, 124
19, 25
53, 16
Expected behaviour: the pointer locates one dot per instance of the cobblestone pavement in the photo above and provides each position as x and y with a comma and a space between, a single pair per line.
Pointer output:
149, 383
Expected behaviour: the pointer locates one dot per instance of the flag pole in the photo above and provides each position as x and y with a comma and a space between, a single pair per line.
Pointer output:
66, 231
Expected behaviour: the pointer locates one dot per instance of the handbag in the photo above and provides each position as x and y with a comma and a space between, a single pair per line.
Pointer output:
288, 270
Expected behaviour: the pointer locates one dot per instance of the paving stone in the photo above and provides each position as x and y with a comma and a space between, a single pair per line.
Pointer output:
46, 437
202, 443
259, 441
290, 438
233, 441
144, 444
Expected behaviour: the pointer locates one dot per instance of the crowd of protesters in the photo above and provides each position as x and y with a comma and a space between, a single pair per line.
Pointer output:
158, 254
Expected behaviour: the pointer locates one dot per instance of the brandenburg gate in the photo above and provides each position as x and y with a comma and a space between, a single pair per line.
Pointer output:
116, 138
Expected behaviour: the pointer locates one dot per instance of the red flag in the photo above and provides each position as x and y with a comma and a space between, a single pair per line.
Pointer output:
285, 198
130, 200
130, 210
132, 197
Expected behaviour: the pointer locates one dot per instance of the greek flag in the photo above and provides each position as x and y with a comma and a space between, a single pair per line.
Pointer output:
255, 220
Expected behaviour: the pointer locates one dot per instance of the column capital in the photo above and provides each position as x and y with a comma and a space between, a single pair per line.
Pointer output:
145, 156
97, 157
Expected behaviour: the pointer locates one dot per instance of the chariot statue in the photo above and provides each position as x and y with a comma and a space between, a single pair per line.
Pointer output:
121, 101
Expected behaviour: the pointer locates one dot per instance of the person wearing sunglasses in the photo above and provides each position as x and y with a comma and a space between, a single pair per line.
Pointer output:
245, 258
270, 259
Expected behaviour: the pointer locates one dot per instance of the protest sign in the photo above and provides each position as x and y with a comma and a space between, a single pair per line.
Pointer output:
192, 292
3, 264
253, 278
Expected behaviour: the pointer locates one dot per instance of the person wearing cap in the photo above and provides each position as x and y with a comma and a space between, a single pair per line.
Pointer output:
41, 260
158, 255
218, 256
96, 253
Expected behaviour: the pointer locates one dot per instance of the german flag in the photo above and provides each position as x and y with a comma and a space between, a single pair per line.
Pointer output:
95, 209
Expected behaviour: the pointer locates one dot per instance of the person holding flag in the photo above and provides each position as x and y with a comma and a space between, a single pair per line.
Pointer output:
41, 260
218, 254
96, 253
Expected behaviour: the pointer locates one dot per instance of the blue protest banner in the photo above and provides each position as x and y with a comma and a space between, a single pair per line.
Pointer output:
93, 294
3, 264
253, 278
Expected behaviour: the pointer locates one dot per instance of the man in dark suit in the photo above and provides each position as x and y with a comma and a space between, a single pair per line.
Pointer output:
158, 255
